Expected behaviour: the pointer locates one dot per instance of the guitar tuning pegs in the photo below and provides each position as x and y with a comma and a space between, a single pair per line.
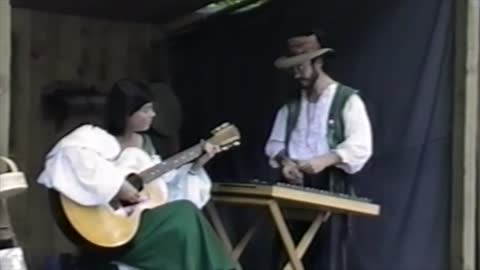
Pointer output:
237, 143
222, 126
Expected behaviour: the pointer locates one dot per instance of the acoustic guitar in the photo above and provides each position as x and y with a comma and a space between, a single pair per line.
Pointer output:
115, 224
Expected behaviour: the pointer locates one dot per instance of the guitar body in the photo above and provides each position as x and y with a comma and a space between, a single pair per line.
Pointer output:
106, 227
101, 226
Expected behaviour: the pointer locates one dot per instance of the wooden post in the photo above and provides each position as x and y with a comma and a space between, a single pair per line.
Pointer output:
5, 52
464, 197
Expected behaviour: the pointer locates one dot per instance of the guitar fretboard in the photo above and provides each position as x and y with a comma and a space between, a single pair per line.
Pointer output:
171, 163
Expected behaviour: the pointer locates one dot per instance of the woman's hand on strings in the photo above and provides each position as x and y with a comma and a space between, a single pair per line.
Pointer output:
129, 193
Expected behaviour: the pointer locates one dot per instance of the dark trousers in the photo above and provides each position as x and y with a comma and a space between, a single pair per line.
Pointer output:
327, 251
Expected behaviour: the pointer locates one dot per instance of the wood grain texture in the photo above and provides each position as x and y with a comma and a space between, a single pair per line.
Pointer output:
49, 47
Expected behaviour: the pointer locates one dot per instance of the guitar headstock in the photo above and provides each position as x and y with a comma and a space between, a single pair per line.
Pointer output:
225, 136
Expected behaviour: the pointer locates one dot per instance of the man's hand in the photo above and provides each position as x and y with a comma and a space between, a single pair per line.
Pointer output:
292, 173
318, 164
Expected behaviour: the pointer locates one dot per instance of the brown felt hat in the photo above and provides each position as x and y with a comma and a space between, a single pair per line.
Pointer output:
302, 49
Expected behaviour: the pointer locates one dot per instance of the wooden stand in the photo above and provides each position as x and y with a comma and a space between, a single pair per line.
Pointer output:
295, 253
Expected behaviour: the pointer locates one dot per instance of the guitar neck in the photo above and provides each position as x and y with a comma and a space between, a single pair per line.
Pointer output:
171, 163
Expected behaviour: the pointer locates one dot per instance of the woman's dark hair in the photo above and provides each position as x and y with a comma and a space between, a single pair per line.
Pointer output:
125, 98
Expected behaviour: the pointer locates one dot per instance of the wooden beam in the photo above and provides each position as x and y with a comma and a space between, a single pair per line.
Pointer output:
181, 24
5, 56
464, 197
5, 52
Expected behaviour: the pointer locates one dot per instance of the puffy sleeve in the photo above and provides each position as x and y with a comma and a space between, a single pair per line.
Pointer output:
356, 149
276, 141
83, 175
183, 184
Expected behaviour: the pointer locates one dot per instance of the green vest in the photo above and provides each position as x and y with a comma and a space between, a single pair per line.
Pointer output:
335, 129
148, 145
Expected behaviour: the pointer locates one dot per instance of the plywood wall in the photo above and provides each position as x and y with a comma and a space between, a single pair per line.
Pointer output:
48, 47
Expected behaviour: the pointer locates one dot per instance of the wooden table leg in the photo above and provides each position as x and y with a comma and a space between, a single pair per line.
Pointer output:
222, 233
308, 236
238, 250
294, 253
285, 235
218, 226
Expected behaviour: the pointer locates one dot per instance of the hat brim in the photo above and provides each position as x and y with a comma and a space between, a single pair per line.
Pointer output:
291, 61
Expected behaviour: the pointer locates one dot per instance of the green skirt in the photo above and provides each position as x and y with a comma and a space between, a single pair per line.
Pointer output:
176, 236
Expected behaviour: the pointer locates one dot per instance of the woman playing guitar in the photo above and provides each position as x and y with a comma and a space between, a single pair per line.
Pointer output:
84, 167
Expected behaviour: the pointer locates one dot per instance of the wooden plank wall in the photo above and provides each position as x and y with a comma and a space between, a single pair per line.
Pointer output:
48, 47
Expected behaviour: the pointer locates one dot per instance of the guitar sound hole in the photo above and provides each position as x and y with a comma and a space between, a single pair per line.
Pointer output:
117, 204
125, 203
136, 181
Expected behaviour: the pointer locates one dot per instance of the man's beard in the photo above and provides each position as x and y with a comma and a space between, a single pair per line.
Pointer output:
308, 83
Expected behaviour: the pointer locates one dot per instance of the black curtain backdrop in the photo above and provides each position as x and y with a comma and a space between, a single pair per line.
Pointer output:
398, 53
